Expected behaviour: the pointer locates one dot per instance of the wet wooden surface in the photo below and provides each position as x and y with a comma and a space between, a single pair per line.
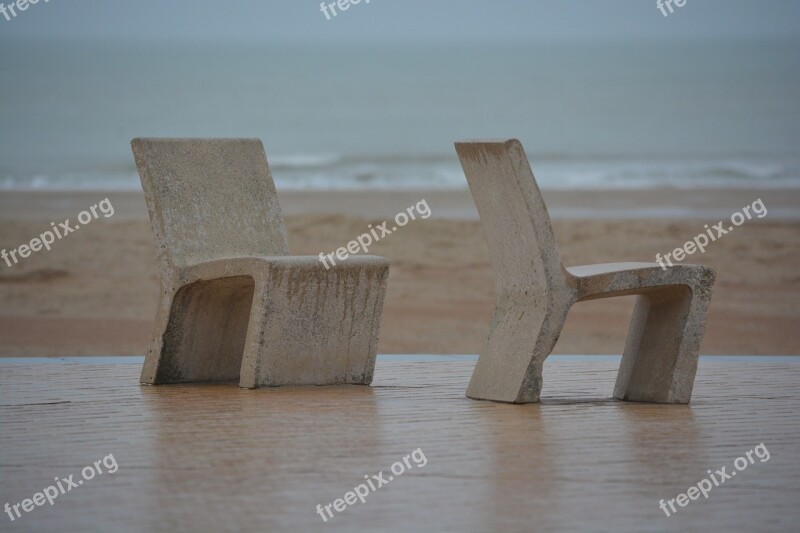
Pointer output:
219, 458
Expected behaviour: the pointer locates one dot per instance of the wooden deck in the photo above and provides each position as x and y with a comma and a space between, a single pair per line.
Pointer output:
219, 458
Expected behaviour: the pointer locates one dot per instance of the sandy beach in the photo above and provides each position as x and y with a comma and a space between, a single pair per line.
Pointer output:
95, 292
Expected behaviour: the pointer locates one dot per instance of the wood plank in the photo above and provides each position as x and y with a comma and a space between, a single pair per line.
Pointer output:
219, 458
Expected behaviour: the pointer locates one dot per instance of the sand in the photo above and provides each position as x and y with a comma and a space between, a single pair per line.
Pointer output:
95, 292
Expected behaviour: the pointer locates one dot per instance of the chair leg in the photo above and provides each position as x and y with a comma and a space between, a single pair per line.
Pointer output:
153, 357
660, 359
200, 332
509, 368
310, 326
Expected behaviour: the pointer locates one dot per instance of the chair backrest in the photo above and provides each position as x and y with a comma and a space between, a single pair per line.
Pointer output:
513, 214
209, 199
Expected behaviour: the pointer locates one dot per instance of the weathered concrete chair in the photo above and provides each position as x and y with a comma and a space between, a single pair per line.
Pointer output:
233, 303
534, 292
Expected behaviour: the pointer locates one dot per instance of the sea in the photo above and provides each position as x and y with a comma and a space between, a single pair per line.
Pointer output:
605, 116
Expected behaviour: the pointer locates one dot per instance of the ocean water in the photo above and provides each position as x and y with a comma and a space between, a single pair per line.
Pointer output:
676, 115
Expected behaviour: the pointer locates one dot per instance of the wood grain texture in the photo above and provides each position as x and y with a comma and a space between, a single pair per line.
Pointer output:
220, 458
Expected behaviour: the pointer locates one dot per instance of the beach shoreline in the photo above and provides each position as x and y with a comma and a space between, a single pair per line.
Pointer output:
663, 203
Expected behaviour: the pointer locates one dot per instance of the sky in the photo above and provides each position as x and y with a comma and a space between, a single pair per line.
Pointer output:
400, 21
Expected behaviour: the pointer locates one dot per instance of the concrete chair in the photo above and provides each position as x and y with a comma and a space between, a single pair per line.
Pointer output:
534, 292
234, 304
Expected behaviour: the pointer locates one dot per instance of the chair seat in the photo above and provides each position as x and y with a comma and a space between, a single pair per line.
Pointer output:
258, 266
584, 271
617, 279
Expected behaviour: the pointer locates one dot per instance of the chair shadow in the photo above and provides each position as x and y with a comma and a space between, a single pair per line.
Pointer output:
567, 444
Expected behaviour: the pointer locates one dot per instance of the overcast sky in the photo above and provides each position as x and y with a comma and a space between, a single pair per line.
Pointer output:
273, 21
